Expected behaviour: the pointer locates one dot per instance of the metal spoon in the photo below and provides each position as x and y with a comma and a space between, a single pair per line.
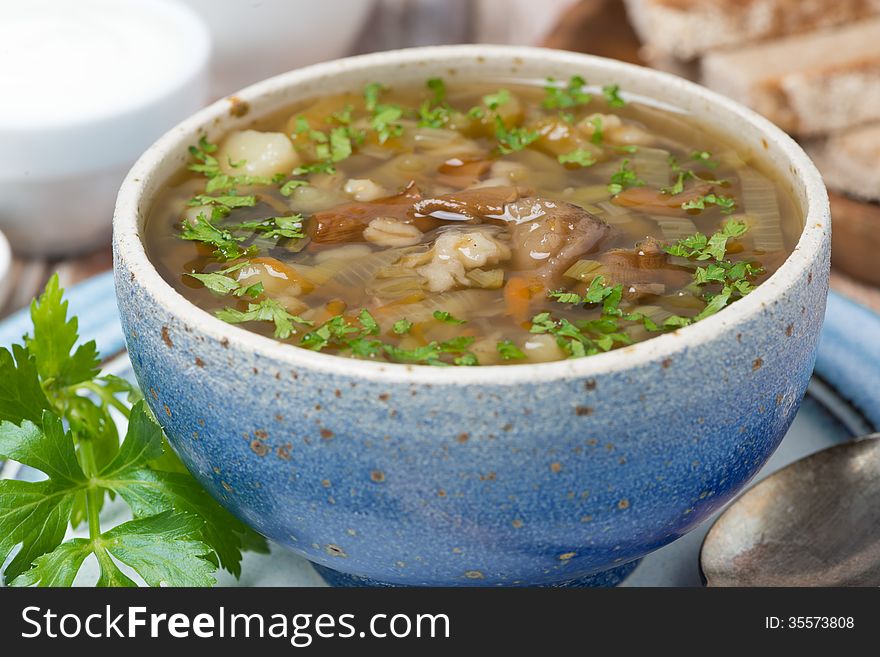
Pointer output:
815, 522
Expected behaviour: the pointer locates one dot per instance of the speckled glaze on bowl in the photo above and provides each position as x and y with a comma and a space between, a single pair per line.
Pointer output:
515, 475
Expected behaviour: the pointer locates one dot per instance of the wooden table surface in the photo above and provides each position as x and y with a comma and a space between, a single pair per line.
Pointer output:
593, 26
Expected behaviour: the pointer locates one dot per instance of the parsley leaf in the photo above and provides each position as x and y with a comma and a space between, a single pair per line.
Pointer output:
53, 339
612, 95
203, 230
179, 533
580, 157
289, 227
267, 310
509, 351
624, 178
402, 326
206, 163
726, 203
446, 317
513, 139
21, 395
556, 97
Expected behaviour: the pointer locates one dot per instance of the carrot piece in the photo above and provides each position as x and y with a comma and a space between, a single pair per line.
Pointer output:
517, 298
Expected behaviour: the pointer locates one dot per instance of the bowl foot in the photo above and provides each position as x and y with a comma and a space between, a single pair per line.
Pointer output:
606, 578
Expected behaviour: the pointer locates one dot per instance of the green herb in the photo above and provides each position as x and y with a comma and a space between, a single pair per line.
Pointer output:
725, 203
225, 202
683, 175
289, 227
581, 157
267, 310
301, 125
402, 326
315, 167
221, 283
612, 95
624, 178
179, 534
444, 316
513, 139
556, 97
509, 351
704, 158
700, 247
343, 116
225, 183
371, 95
206, 163
288, 187
496, 100
598, 135
226, 245
435, 112
383, 122
340, 144
466, 360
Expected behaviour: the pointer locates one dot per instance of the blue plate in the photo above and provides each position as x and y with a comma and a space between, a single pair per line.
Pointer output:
843, 401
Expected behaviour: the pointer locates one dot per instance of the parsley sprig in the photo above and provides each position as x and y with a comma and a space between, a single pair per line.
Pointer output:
358, 336
571, 95
584, 338
55, 417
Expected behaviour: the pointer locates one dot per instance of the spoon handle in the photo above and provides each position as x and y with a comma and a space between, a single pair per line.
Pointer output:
849, 354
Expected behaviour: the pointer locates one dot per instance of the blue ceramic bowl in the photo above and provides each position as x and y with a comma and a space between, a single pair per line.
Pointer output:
542, 474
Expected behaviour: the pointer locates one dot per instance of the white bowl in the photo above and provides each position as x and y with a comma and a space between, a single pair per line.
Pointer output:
255, 40
87, 86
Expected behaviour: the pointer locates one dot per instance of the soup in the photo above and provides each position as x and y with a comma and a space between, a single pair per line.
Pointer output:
470, 224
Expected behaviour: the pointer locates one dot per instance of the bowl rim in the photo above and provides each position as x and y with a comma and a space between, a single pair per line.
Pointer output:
130, 254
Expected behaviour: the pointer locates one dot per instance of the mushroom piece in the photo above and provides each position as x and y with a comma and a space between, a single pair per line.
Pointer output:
346, 222
643, 270
549, 236
645, 199
471, 205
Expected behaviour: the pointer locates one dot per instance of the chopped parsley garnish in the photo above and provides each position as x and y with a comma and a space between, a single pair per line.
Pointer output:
446, 318
371, 95
725, 203
289, 227
435, 112
55, 416
704, 158
509, 351
226, 245
356, 337
612, 95
383, 122
572, 95
402, 326
288, 187
226, 202
683, 175
598, 135
314, 167
496, 100
267, 310
221, 283
624, 178
513, 139
580, 157
206, 163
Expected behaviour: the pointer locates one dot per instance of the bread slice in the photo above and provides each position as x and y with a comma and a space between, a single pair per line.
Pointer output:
855, 238
808, 84
685, 29
850, 161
